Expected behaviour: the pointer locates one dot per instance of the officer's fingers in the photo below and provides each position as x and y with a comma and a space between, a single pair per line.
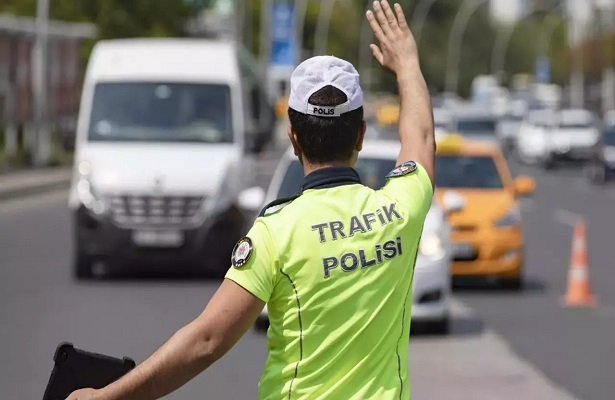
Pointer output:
375, 27
390, 16
401, 17
377, 53
382, 19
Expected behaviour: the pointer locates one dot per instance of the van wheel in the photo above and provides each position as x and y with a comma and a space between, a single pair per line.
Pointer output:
82, 266
227, 232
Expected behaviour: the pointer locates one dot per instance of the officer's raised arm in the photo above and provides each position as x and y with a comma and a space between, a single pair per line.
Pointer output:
398, 53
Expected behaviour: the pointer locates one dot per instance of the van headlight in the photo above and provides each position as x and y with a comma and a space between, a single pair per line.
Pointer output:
86, 192
431, 245
512, 218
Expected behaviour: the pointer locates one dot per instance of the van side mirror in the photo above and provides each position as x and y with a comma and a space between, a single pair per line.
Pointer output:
524, 185
251, 199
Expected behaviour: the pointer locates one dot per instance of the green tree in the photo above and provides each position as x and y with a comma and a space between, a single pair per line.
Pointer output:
115, 18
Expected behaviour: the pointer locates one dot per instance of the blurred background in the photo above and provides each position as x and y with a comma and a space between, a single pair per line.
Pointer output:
139, 139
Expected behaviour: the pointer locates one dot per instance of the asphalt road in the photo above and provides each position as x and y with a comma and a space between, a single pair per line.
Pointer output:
573, 347
503, 345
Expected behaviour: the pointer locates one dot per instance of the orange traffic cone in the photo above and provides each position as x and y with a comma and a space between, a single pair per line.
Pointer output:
579, 291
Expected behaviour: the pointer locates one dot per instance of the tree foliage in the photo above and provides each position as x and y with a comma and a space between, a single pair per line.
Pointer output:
156, 18
114, 18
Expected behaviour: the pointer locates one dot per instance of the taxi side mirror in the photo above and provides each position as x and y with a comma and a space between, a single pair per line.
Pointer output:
251, 199
524, 185
452, 202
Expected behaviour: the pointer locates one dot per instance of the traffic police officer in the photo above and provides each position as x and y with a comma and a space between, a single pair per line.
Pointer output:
335, 264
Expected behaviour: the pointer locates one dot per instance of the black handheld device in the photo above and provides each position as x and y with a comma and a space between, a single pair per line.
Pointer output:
77, 369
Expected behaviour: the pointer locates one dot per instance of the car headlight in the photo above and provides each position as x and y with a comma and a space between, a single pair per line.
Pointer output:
609, 153
512, 217
431, 245
86, 193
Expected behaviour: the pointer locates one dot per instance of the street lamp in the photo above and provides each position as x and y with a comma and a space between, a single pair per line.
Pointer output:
301, 7
502, 41
418, 18
42, 143
365, 55
455, 40
322, 26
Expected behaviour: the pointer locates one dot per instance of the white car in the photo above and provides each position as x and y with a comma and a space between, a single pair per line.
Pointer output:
573, 138
442, 120
507, 129
531, 142
476, 124
431, 286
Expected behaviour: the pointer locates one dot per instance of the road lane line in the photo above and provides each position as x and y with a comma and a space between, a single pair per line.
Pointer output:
566, 217
25, 203
475, 365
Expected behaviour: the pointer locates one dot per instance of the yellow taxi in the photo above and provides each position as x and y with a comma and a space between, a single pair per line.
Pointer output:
486, 225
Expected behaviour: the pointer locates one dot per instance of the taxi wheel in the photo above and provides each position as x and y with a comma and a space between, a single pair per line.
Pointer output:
439, 327
512, 283
549, 163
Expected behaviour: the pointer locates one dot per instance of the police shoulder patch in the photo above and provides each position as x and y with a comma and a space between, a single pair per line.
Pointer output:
403, 169
242, 252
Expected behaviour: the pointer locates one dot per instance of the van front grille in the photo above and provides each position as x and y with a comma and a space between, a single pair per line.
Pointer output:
154, 210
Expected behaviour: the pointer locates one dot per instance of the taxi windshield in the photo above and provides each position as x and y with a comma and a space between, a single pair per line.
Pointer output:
467, 172
371, 170
161, 112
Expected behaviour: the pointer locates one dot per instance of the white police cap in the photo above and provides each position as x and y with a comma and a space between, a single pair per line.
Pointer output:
317, 72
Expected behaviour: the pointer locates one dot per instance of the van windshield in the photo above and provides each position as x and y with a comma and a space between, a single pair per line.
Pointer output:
161, 112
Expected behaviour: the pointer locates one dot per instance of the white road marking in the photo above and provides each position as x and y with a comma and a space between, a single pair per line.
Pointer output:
567, 217
22, 204
475, 366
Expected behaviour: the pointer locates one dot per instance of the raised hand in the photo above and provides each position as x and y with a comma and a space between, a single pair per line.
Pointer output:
397, 50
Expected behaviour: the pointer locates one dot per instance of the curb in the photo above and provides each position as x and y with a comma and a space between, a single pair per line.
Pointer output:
34, 189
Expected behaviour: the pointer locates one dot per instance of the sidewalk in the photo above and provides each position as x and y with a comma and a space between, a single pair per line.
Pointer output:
32, 181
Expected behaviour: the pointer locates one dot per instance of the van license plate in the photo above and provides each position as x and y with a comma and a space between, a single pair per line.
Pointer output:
158, 238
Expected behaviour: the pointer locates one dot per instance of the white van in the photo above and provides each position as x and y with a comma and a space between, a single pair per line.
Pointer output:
165, 140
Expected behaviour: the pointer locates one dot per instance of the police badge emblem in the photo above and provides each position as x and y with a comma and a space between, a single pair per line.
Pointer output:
403, 169
242, 252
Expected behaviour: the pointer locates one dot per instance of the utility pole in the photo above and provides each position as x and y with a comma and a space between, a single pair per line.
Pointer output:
321, 38
576, 36
42, 140
608, 75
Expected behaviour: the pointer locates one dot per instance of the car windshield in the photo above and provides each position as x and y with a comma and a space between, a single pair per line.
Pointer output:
575, 125
467, 172
512, 118
609, 136
371, 170
161, 112
484, 127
